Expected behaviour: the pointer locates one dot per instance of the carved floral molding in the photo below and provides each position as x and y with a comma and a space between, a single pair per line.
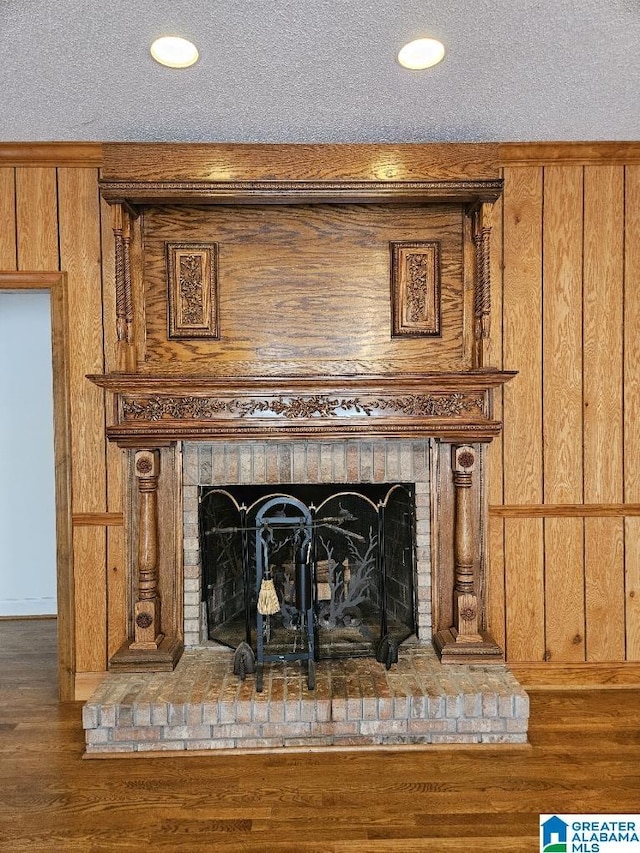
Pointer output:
154, 408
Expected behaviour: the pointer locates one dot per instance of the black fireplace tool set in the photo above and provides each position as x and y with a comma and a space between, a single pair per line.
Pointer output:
285, 513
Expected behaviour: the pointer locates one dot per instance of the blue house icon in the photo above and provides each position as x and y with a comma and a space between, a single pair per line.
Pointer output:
554, 835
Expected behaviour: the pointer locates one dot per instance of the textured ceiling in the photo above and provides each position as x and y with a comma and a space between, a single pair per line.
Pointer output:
322, 71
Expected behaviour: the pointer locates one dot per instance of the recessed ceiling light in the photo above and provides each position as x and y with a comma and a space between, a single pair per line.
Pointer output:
175, 52
421, 53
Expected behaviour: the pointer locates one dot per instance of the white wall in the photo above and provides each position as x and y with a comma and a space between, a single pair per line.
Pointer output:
27, 498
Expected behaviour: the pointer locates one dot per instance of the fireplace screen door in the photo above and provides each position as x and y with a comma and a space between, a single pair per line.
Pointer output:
362, 560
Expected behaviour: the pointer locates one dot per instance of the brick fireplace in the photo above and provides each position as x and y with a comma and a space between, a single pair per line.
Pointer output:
259, 463
302, 315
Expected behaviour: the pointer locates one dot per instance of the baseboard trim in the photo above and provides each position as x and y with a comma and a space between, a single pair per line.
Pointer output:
577, 676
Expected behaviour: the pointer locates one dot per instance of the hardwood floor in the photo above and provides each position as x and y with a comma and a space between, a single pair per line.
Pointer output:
584, 757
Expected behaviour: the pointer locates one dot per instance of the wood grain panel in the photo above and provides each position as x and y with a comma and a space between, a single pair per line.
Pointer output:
632, 335
495, 451
36, 214
603, 419
89, 550
632, 587
567, 153
522, 341
80, 257
524, 568
632, 406
79, 226
221, 162
306, 287
578, 676
98, 519
79, 154
604, 589
117, 574
522, 317
117, 590
564, 510
496, 604
562, 326
8, 257
603, 342
562, 406
564, 590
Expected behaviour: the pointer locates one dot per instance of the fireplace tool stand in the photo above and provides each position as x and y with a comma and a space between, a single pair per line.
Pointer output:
271, 517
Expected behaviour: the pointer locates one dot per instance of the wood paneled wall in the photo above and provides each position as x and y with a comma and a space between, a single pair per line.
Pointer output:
564, 488
51, 218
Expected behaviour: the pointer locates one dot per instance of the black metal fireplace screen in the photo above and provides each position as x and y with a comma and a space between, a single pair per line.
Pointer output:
309, 571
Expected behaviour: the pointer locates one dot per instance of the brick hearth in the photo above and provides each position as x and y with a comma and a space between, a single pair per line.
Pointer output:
203, 706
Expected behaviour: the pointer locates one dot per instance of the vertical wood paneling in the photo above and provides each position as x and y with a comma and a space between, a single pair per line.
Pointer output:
603, 418
37, 219
564, 589
632, 406
524, 559
603, 288
117, 590
632, 590
89, 555
562, 409
555, 450
604, 579
80, 258
8, 257
522, 335
496, 564
562, 329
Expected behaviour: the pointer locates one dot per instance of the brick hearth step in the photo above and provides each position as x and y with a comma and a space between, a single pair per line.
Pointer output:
203, 706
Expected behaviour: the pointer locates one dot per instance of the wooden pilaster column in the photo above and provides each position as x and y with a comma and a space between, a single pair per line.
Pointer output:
466, 641
149, 649
147, 607
465, 598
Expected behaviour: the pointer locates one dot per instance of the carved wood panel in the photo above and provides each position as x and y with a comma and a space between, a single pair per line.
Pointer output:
415, 288
192, 280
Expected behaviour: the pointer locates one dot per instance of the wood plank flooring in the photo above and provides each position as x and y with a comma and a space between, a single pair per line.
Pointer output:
584, 756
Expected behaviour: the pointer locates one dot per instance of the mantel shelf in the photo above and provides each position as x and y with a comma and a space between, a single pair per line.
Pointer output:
171, 383
156, 409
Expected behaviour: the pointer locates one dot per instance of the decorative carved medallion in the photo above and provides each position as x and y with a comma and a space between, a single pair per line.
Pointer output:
415, 288
144, 620
144, 466
192, 278
155, 408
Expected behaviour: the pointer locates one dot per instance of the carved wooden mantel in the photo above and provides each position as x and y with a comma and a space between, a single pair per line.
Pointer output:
156, 409
323, 291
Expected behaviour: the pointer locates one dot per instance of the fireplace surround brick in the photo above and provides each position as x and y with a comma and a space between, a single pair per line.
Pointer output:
274, 463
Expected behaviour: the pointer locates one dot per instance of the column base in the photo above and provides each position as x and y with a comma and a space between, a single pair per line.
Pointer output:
453, 650
161, 659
